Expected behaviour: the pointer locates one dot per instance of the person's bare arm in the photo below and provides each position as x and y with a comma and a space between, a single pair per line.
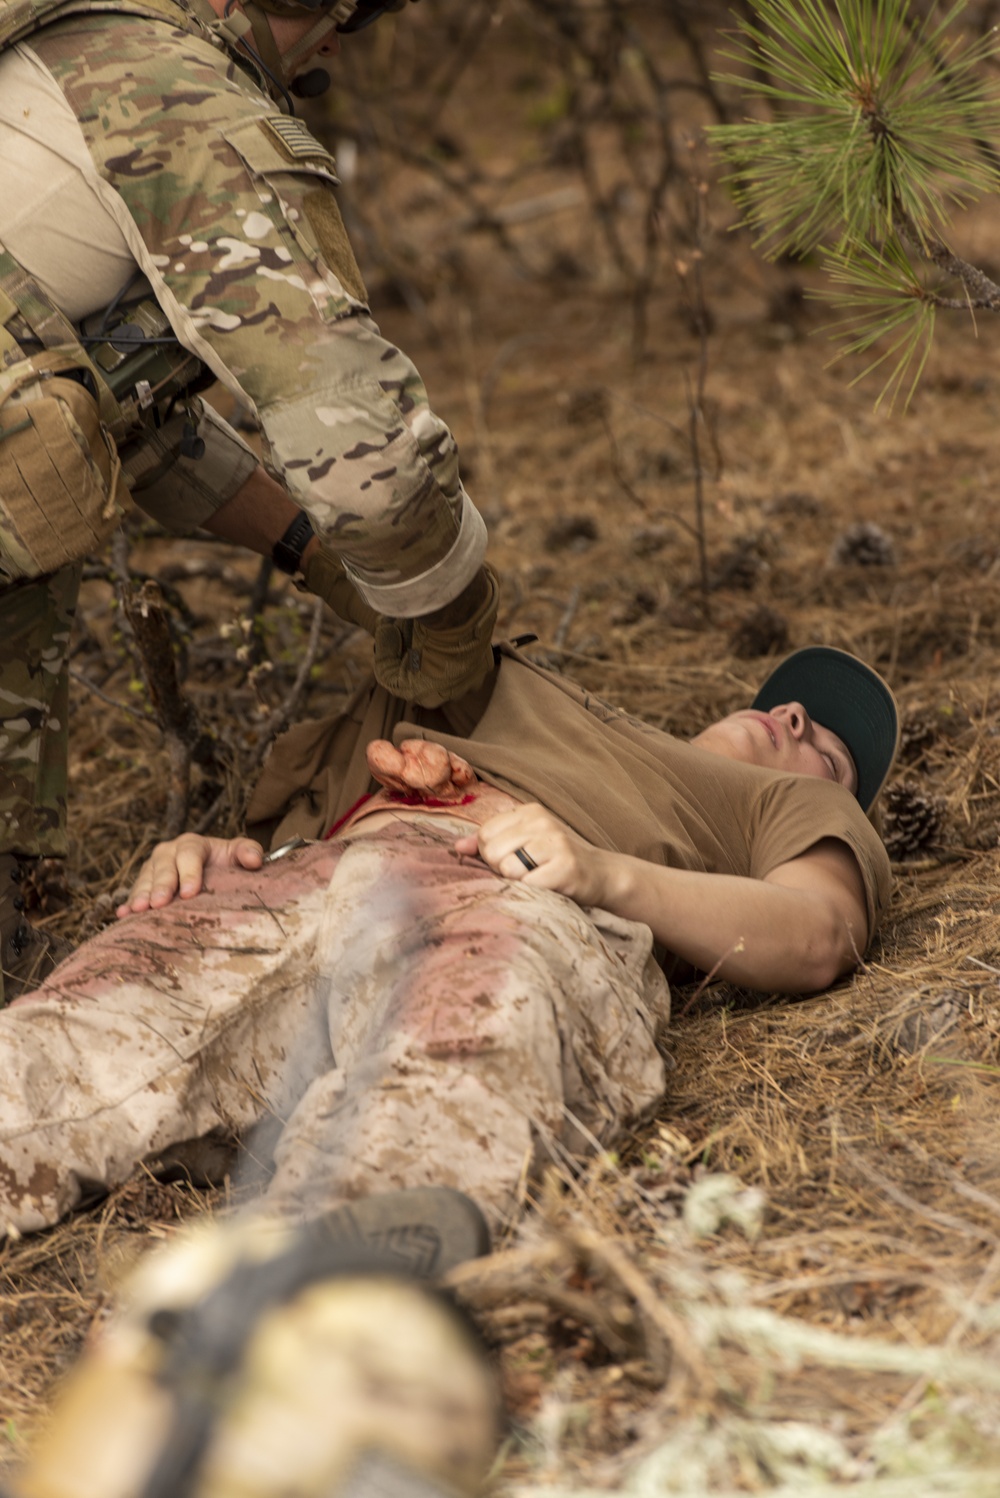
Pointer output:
178, 868
795, 931
257, 515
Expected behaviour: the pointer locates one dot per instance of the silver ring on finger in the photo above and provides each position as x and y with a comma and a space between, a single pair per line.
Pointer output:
526, 859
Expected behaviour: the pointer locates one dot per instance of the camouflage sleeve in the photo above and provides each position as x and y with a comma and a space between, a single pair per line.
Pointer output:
229, 208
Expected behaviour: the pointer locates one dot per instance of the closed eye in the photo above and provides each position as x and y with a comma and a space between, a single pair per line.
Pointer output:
840, 763
843, 771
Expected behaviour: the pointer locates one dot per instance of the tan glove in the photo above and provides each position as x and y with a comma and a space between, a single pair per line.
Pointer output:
431, 660
325, 576
444, 655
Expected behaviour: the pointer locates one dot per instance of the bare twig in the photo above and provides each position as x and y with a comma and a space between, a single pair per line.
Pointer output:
566, 622
692, 274
144, 609
121, 707
943, 1220
982, 293
661, 1320
286, 710
279, 719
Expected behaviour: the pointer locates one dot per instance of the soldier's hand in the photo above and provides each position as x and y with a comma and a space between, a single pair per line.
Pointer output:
432, 660
325, 576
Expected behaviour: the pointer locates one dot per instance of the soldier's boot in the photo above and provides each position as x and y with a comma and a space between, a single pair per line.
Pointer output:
27, 956
422, 1231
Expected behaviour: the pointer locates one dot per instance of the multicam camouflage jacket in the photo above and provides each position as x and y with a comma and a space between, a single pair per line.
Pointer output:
228, 207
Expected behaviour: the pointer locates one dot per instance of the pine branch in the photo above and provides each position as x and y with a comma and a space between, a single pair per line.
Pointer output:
871, 113
881, 131
982, 293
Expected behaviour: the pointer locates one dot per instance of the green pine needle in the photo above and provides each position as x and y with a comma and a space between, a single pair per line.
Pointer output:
875, 119
884, 302
880, 125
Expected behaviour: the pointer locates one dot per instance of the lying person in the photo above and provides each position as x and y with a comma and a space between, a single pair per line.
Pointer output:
458, 976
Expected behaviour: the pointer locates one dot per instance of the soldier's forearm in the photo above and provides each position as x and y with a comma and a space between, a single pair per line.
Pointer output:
257, 516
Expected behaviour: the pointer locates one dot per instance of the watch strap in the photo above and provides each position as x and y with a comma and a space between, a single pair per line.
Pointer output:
287, 553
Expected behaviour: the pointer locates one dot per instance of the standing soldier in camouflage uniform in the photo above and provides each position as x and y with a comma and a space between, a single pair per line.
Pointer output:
150, 174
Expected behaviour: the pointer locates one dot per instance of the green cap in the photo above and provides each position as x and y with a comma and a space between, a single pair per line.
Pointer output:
841, 692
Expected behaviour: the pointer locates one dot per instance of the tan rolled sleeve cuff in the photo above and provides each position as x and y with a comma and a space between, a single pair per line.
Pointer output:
440, 583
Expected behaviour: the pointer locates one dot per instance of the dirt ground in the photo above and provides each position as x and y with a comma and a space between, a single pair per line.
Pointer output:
835, 1319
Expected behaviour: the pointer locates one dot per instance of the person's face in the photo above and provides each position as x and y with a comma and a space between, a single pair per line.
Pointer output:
289, 30
785, 738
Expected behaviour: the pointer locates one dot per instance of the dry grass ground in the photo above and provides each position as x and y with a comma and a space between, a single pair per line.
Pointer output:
860, 1296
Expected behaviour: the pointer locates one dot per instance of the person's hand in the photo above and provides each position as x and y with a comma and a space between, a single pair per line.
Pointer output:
564, 861
178, 868
420, 767
441, 656
431, 660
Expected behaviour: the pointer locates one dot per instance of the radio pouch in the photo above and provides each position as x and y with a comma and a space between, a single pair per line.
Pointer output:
61, 487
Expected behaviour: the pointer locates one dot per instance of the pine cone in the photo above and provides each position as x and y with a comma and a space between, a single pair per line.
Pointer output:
912, 821
916, 735
741, 565
764, 632
642, 603
587, 407
796, 502
571, 533
863, 545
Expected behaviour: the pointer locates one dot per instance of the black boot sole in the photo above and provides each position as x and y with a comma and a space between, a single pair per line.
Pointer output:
422, 1232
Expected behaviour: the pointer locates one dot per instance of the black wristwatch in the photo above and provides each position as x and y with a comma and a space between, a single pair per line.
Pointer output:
287, 553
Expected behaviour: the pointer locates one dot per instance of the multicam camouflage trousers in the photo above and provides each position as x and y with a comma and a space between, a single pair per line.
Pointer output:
402, 1015
35, 623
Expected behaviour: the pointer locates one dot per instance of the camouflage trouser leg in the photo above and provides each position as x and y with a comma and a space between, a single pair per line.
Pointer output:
35, 623
473, 1022
163, 1029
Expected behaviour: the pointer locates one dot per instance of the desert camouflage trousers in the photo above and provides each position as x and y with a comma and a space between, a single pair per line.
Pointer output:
35, 623
400, 1016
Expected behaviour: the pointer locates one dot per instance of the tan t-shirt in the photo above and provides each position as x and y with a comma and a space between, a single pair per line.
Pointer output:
620, 783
